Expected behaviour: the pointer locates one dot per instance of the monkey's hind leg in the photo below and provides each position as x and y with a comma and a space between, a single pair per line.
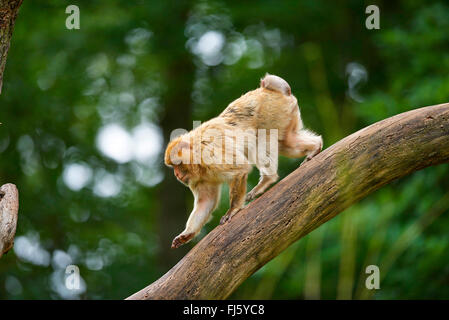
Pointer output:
264, 182
268, 167
268, 176
237, 190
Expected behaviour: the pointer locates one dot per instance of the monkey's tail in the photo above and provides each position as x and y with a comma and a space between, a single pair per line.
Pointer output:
275, 83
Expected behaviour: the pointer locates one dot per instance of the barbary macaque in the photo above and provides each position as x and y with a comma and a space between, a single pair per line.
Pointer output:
252, 130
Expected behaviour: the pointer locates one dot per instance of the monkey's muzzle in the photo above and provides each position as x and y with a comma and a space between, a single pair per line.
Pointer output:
184, 178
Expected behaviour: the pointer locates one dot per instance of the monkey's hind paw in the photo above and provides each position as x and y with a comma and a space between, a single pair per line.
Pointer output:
181, 239
250, 196
307, 159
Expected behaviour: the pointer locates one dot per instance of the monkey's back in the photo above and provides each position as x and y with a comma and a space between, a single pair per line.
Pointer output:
258, 109
261, 109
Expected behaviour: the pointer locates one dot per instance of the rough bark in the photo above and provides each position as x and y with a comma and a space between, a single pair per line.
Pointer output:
9, 207
339, 176
8, 15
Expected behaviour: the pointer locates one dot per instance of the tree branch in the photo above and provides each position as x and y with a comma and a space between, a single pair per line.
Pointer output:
9, 207
338, 177
8, 15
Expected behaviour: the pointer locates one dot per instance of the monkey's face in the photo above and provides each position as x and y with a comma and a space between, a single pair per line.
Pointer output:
177, 156
182, 173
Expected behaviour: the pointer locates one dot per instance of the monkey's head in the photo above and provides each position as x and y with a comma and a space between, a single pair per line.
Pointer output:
179, 156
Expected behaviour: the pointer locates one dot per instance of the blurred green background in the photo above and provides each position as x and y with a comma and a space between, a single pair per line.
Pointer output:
86, 115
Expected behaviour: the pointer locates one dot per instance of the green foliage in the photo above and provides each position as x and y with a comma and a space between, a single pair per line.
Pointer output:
130, 61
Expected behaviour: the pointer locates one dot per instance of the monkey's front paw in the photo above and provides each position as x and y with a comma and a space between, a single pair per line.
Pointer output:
225, 218
181, 239
228, 215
